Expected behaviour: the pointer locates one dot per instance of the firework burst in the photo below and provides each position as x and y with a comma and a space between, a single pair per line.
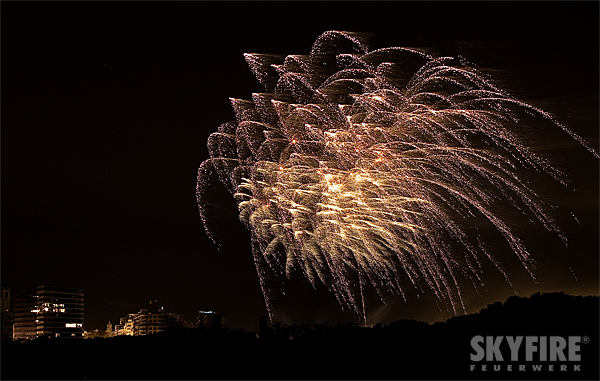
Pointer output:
360, 167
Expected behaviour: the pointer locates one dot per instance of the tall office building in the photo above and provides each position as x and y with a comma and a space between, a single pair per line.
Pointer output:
7, 316
60, 311
55, 311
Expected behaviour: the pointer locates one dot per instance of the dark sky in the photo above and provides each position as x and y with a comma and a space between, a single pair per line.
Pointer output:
106, 108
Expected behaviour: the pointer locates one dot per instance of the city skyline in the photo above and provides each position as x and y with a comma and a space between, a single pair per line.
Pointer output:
107, 110
58, 311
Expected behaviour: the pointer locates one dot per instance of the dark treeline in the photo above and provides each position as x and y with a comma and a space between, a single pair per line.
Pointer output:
404, 349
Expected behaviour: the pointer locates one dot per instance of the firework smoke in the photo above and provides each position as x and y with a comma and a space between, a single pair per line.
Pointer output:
365, 168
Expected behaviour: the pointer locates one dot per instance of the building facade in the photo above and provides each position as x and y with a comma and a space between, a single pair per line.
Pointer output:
60, 311
126, 326
208, 319
109, 331
25, 319
54, 311
148, 321
7, 316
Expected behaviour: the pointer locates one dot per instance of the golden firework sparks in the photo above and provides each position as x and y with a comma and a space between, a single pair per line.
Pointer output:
352, 166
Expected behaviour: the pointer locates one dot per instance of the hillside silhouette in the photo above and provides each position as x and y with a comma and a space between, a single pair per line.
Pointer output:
404, 349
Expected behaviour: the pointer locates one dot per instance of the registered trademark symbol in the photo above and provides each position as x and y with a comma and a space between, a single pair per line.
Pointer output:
585, 339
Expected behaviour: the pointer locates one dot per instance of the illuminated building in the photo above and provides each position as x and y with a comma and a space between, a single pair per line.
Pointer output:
93, 334
55, 311
25, 320
149, 320
126, 326
7, 317
60, 311
109, 331
208, 319
99, 333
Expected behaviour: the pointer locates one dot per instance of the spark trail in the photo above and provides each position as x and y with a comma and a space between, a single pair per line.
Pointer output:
360, 167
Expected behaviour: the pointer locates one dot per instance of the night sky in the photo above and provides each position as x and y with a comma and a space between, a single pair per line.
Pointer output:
106, 108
